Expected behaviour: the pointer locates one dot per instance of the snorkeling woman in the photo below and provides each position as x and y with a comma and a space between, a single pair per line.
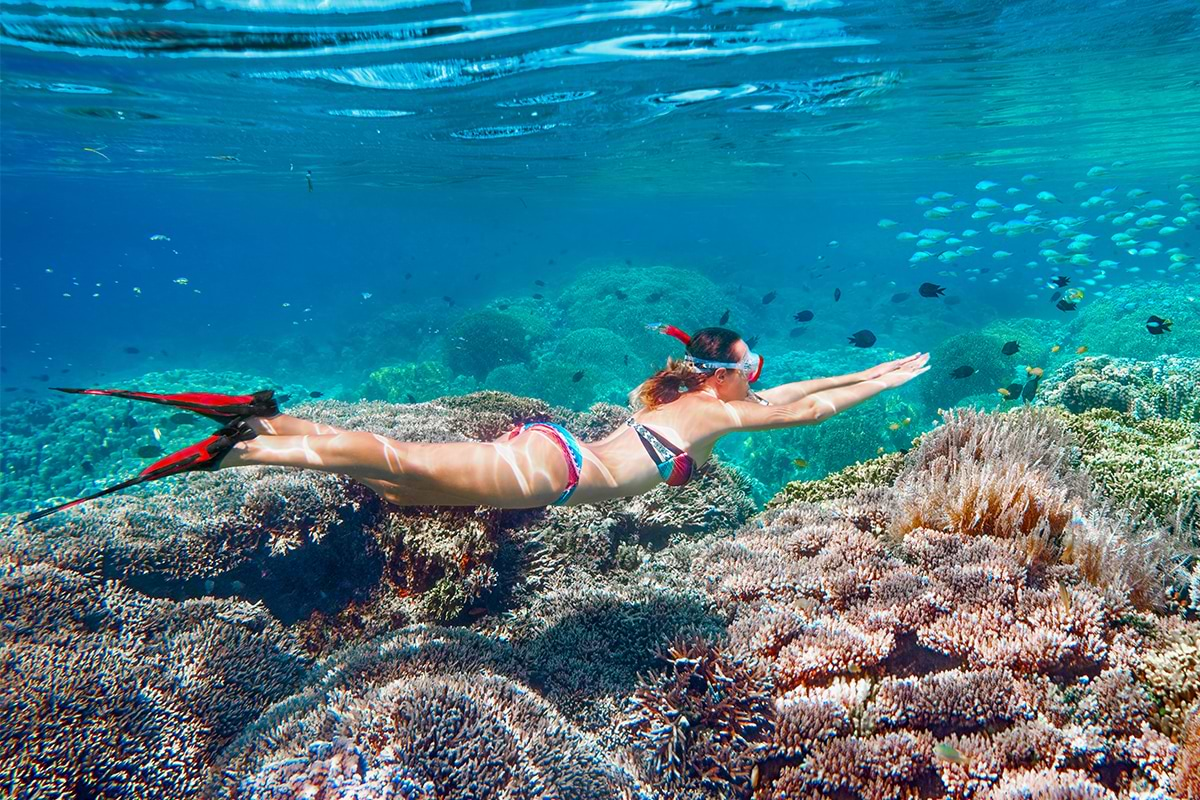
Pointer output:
683, 410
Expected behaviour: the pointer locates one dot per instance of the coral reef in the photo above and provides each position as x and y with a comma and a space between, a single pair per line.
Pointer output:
873, 473
109, 693
411, 383
439, 713
1116, 323
1167, 387
479, 341
981, 352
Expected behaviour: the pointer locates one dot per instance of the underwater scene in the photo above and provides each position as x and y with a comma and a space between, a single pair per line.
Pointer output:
633, 399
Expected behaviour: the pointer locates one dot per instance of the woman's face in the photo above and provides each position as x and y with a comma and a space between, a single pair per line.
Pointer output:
731, 384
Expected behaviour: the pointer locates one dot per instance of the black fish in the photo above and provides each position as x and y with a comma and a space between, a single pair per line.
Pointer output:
87, 467
963, 372
315, 394
654, 297
724, 318
1031, 387
1014, 391
537, 296
577, 377
448, 299
149, 451
10, 388
308, 177
627, 359
41, 377
409, 398
502, 306
1066, 305
1157, 325
1010, 348
837, 295
283, 398
900, 297
1061, 280
539, 283
753, 340
620, 295
182, 418
863, 338
931, 290
768, 297
132, 350
803, 316
64, 370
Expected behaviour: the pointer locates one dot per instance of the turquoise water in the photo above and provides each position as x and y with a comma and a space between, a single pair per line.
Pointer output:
312, 192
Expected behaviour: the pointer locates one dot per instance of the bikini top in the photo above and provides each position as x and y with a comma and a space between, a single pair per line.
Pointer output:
675, 466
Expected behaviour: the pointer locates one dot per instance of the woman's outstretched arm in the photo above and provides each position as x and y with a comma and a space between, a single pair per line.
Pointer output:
797, 390
821, 405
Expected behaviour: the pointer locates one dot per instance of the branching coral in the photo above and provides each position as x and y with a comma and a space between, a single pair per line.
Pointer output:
1170, 671
702, 716
1167, 387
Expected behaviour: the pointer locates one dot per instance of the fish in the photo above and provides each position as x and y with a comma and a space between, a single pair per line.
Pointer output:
366, 295
753, 340
182, 418
619, 294
448, 299
906, 421
1066, 305
131, 350
539, 283
159, 237
769, 297
408, 276
1061, 280
900, 297
724, 318
149, 451
1035, 371
1157, 325
895, 426
10, 388
931, 290
803, 316
1054, 297
1011, 348
315, 394
1064, 595
408, 398
577, 377
627, 359
800, 463
1081, 350
863, 338
42, 378
1030, 389
983, 186
308, 179
1014, 390
947, 752
1056, 348
797, 332
837, 295
964, 371
1004, 392
536, 296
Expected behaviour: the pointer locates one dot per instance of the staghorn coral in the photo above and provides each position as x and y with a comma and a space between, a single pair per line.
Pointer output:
1170, 671
440, 712
108, 693
701, 717
1167, 387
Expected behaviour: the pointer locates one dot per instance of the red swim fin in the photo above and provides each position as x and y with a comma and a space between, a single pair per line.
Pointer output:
205, 454
221, 407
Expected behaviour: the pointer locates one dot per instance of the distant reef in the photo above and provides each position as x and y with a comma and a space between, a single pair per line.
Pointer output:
1009, 608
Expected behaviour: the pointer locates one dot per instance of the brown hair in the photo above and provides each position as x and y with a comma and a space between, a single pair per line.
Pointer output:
680, 377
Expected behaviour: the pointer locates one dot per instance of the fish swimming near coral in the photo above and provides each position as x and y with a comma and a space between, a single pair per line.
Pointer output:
1157, 325
948, 752
863, 338
577, 377
769, 298
931, 290
964, 371
724, 318
1066, 305
1011, 348
837, 295
803, 316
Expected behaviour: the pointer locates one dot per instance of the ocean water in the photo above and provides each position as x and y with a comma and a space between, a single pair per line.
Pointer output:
402, 200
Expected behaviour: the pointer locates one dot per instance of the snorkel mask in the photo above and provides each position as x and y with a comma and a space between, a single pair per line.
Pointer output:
751, 364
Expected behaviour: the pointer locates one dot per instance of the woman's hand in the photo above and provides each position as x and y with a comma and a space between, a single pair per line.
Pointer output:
879, 370
905, 370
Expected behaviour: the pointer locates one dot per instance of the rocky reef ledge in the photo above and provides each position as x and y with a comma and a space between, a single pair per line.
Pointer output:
1007, 610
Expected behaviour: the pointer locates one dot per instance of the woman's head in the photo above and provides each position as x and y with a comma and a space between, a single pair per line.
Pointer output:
708, 361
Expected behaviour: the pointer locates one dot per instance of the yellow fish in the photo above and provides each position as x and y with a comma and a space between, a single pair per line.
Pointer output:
157, 435
1081, 349
1064, 595
895, 426
880, 451
1056, 348
948, 752
800, 463
1034, 371
907, 421
1004, 392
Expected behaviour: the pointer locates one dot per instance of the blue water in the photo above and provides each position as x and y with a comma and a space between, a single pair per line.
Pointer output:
442, 157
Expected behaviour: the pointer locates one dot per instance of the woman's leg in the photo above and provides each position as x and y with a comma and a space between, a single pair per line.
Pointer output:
284, 425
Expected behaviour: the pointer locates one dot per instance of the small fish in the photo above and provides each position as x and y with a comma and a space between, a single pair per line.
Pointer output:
803, 316
157, 432
800, 463
577, 377
182, 281
1065, 596
448, 299
1055, 348
1066, 305
1081, 350
149, 451
132, 350
1011, 348
906, 421
539, 283
536, 296
947, 752
223, 158
620, 295
503, 306
182, 418
753, 340
366, 295
837, 295
931, 290
895, 426
158, 237
42, 378
408, 276
408, 398
863, 338
10, 388
900, 297
315, 394
1004, 392
627, 359
769, 297
962, 372
1061, 280
1157, 325
724, 318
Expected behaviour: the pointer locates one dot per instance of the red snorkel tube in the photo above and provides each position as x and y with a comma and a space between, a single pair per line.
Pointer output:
671, 330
